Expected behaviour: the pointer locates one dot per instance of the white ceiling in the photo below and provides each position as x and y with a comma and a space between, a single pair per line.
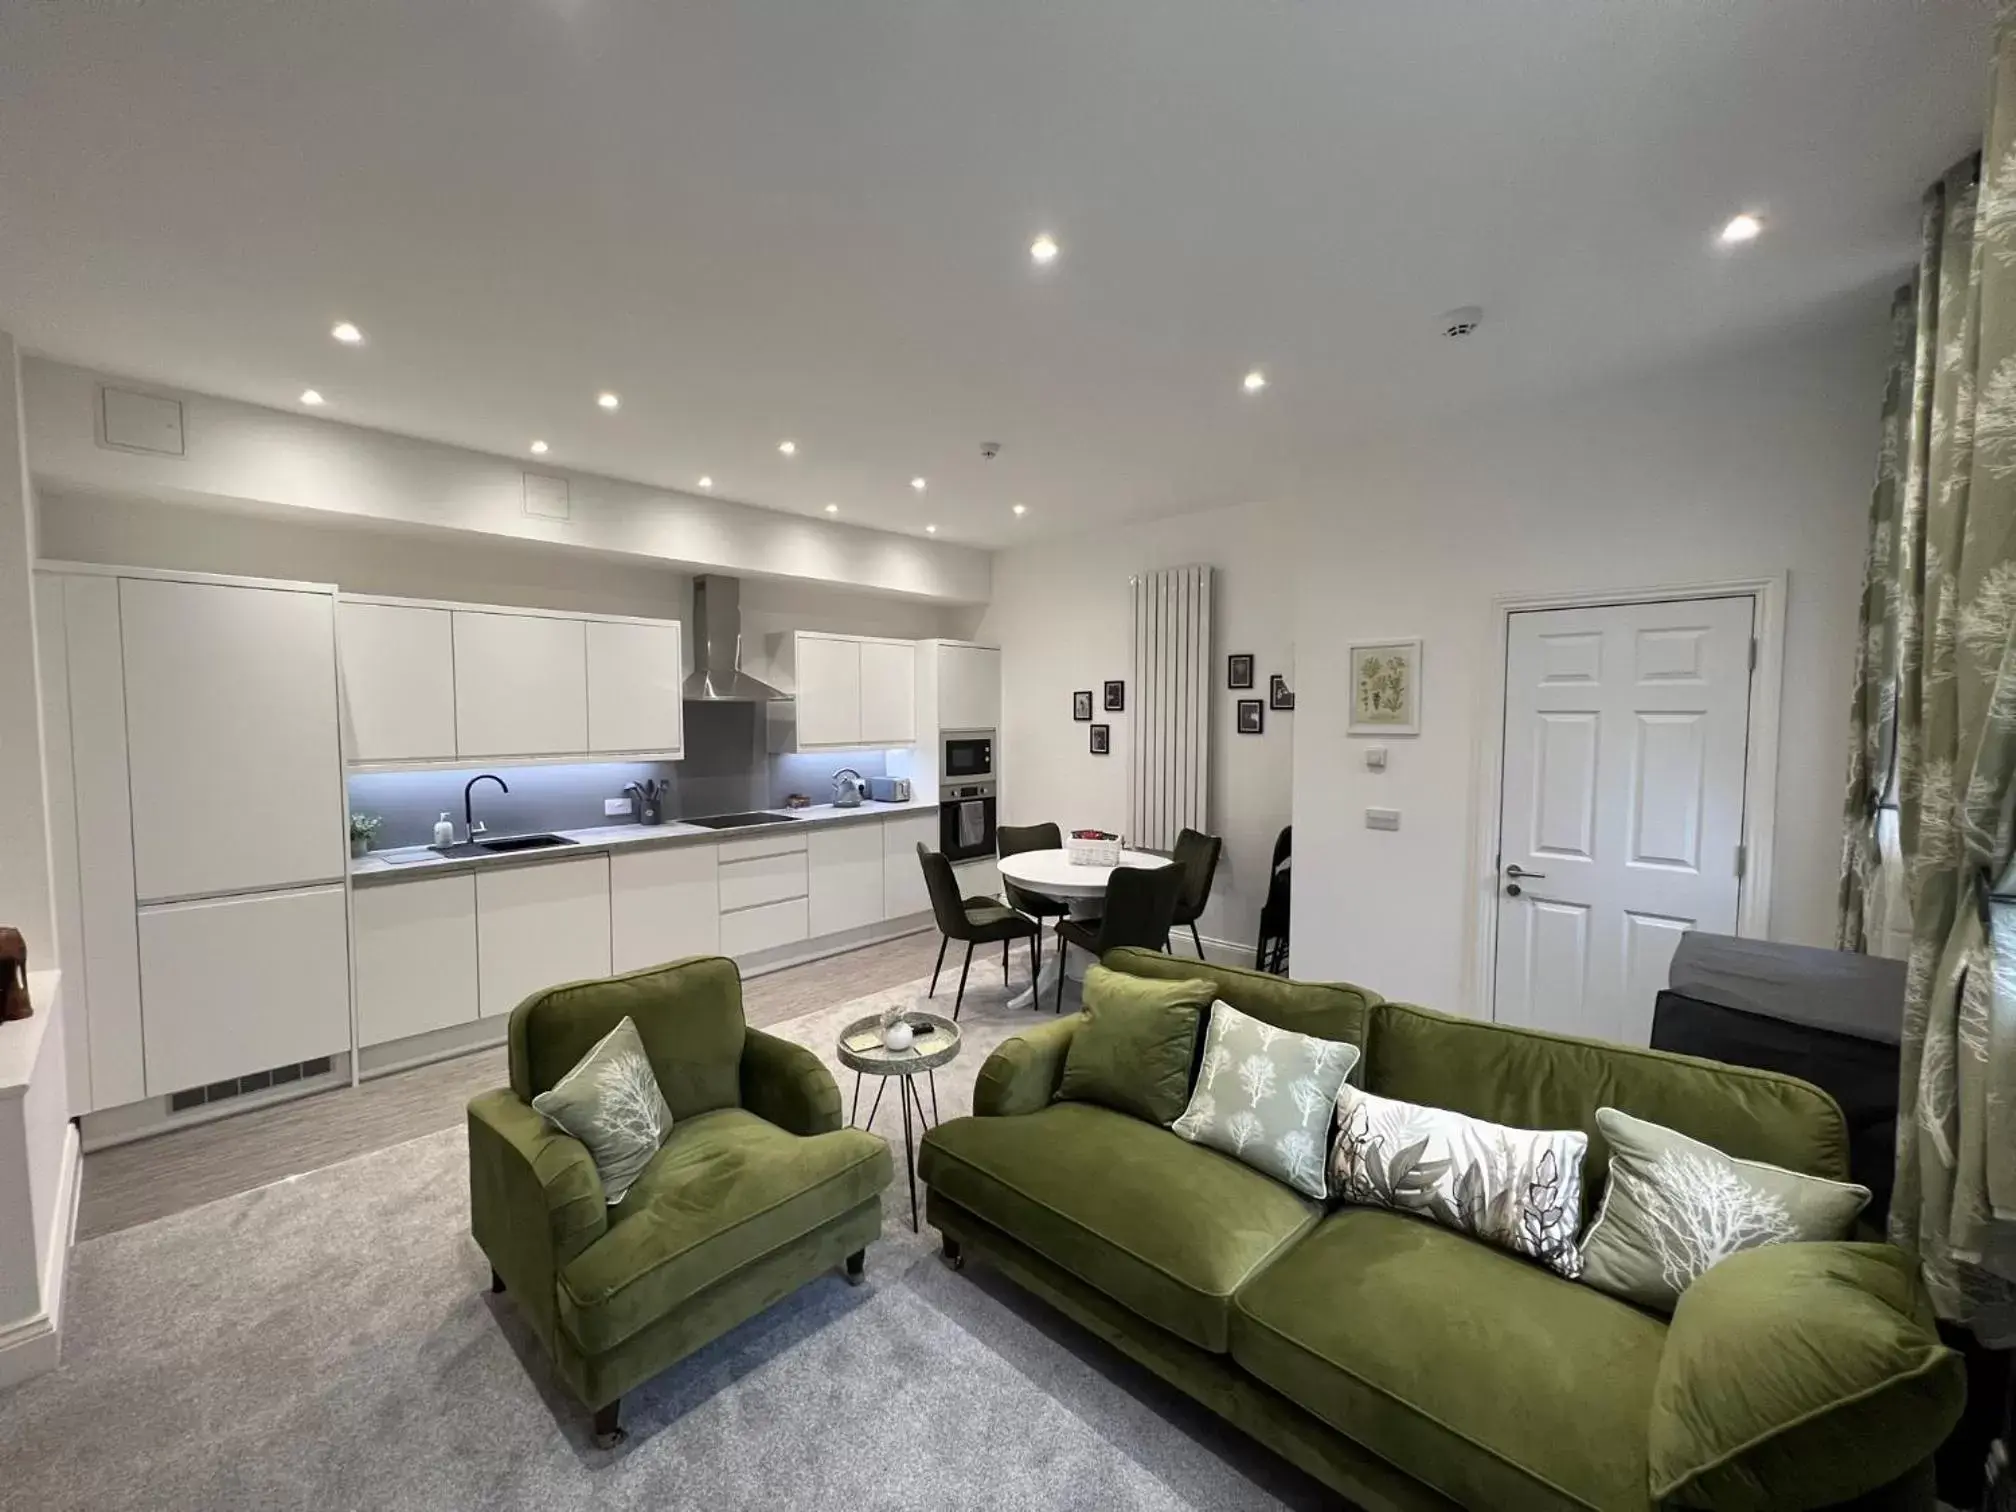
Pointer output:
770, 219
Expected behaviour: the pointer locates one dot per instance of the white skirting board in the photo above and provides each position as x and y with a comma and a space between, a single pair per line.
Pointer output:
35, 1343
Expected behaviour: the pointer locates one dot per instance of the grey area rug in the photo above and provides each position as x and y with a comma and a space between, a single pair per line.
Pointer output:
330, 1342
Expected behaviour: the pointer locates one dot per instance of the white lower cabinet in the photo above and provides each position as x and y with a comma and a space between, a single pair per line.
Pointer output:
764, 927
762, 879
539, 926
664, 905
903, 889
234, 985
978, 879
845, 877
416, 957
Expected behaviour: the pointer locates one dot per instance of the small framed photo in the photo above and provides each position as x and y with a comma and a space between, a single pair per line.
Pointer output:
1252, 716
1081, 705
1239, 670
1116, 697
1278, 696
1385, 687
1102, 739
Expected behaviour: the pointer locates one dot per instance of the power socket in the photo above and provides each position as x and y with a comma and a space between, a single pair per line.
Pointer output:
615, 806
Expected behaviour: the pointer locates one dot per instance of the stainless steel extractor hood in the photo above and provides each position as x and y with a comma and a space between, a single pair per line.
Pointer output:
717, 647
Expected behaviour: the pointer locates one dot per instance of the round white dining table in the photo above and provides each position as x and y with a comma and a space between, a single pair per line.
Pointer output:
1051, 873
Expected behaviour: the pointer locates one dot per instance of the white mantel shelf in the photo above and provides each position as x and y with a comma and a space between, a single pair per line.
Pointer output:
21, 1040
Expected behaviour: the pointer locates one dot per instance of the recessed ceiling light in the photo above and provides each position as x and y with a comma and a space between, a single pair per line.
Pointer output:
311, 396
789, 448
832, 509
607, 400
705, 483
346, 333
1043, 250
538, 448
1255, 381
1021, 509
1741, 228
930, 530
918, 484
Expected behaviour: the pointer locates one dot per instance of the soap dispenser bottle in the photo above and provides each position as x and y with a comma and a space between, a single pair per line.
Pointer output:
444, 831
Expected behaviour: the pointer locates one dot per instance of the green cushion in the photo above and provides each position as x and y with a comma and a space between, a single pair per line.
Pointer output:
1327, 1010
1135, 1044
1533, 1080
688, 1013
1797, 1375
726, 1189
1070, 1182
1498, 1383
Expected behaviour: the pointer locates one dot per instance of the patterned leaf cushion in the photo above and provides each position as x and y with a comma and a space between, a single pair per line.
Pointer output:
1676, 1206
1134, 1044
1520, 1189
610, 1102
1264, 1095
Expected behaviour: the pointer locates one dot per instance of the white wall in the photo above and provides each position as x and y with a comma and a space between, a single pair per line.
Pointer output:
1062, 615
1756, 463
281, 460
24, 824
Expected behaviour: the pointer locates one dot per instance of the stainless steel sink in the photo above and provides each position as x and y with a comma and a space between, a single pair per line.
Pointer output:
505, 844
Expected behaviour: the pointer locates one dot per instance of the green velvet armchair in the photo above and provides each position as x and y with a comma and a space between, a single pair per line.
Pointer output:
757, 1190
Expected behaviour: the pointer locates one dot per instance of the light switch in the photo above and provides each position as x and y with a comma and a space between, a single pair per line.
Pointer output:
1382, 818
1375, 758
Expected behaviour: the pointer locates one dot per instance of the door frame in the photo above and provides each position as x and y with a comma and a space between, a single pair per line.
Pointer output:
1760, 756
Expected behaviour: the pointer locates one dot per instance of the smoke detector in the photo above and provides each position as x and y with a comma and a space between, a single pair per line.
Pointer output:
1461, 322
990, 449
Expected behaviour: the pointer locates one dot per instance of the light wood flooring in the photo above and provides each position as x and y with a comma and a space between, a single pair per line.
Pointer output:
151, 1178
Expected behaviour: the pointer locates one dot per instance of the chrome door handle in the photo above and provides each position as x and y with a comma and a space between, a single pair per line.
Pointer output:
1515, 870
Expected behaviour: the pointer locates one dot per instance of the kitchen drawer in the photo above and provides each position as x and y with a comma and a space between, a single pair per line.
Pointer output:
749, 930
778, 841
765, 879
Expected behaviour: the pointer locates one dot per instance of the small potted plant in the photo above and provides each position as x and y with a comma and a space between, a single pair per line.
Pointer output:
363, 827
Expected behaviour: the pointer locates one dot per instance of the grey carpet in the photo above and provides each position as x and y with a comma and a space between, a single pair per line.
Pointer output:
329, 1342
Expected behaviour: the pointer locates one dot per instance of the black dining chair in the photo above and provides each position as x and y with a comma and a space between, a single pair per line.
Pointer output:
1013, 840
977, 921
1140, 907
1196, 856
1271, 952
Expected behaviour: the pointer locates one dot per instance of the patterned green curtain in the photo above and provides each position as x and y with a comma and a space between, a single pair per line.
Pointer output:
1953, 610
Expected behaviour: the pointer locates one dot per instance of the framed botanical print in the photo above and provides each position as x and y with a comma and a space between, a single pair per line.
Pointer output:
1252, 716
1279, 694
1116, 697
1102, 739
1385, 687
1081, 706
1239, 670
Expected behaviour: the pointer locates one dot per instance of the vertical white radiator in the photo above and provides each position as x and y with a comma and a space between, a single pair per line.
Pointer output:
1167, 775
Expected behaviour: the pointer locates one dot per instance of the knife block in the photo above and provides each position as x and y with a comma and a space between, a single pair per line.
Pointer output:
14, 1002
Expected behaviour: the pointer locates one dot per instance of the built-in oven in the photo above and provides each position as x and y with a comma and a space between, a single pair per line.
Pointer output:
966, 820
967, 756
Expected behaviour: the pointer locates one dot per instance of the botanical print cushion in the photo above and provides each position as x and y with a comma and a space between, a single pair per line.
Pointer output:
610, 1102
1520, 1189
1264, 1095
1675, 1206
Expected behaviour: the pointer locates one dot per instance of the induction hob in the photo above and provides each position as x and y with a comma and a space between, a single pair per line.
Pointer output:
736, 821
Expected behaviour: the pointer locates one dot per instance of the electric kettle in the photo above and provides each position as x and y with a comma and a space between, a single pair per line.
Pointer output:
849, 788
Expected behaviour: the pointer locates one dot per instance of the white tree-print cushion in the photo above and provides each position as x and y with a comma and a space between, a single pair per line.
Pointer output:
1520, 1189
1676, 1206
610, 1102
1264, 1095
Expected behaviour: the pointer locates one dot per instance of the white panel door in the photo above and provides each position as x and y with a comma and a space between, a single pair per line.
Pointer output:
521, 685
829, 691
969, 688
888, 695
234, 985
538, 926
416, 956
845, 877
235, 767
398, 681
664, 904
635, 676
1622, 805
903, 889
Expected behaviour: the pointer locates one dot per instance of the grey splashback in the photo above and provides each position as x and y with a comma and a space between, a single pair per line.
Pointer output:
812, 773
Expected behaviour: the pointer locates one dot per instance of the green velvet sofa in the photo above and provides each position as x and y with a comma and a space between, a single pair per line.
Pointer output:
757, 1190
1405, 1365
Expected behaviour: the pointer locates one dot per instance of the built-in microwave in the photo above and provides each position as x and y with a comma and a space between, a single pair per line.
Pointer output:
968, 756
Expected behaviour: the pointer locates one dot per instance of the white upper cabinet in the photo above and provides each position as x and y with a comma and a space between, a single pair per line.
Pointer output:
234, 764
521, 685
829, 690
852, 691
969, 687
888, 693
398, 681
635, 674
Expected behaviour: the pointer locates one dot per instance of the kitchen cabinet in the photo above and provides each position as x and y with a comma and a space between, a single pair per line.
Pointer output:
398, 681
844, 876
851, 691
664, 905
978, 879
762, 879
764, 927
521, 685
828, 704
234, 763
888, 693
230, 986
416, 957
635, 680
903, 889
538, 926
969, 687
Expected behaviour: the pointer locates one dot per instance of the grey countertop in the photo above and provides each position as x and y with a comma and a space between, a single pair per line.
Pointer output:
420, 860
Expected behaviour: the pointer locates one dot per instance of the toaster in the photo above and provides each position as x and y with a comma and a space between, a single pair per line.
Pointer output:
889, 789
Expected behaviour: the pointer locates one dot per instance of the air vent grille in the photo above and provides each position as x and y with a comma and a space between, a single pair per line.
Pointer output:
254, 1081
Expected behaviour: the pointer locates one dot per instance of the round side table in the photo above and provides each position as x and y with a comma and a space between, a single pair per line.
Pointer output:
926, 1054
